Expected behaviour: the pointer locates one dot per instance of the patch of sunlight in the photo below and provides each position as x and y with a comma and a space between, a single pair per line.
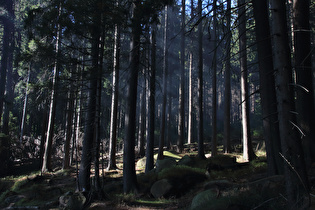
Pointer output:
154, 202
172, 155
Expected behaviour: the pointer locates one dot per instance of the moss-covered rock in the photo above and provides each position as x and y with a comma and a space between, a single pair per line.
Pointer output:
208, 200
72, 201
165, 163
161, 188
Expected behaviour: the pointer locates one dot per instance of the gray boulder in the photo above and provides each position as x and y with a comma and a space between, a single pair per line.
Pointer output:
165, 163
72, 201
187, 161
208, 200
161, 188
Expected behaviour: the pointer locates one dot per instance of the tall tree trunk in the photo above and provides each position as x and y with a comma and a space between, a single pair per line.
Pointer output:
201, 153
114, 106
214, 142
227, 86
10, 86
304, 76
190, 100
165, 70
248, 152
296, 180
129, 174
25, 104
53, 100
190, 86
169, 117
142, 119
150, 138
97, 139
69, 127
267, 88
90, 122
7, 41
181, 116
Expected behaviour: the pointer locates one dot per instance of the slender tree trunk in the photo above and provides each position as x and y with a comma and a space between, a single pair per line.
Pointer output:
53, 100
142, 118
168, 117
201, 153
248, 152
190, 79
304, 77
129, 176
43, 133
69, 127
214, 142
25, 104
165, 71
190, 100
267, 88
114, 106
181, 117
150, 138
291, 146
97, 183
227, 86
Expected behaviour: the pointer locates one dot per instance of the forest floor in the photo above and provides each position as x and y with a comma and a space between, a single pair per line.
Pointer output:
243, 187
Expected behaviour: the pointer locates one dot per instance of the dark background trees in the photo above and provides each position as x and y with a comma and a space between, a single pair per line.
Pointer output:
59, 65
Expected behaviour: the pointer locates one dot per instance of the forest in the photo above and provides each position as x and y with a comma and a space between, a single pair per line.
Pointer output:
144, 104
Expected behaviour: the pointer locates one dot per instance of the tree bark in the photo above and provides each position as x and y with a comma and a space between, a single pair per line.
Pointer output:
114, 105
304, 77
248, 152
142, 118
165, 71
25, 104
201, 153
214, 142
69, 127
227, 85
190, 86
90, 122
267, 88
181, 116
53, 101
7, 41
129, 174
150, 138
290, 144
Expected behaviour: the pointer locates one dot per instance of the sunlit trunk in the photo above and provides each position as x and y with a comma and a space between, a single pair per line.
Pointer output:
114, 105
248, 153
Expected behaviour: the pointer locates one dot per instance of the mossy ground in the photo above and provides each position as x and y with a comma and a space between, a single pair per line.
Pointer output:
45, 189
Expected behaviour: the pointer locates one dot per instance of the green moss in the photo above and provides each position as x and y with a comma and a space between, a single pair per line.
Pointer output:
4, 195
19, 183
179, 171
